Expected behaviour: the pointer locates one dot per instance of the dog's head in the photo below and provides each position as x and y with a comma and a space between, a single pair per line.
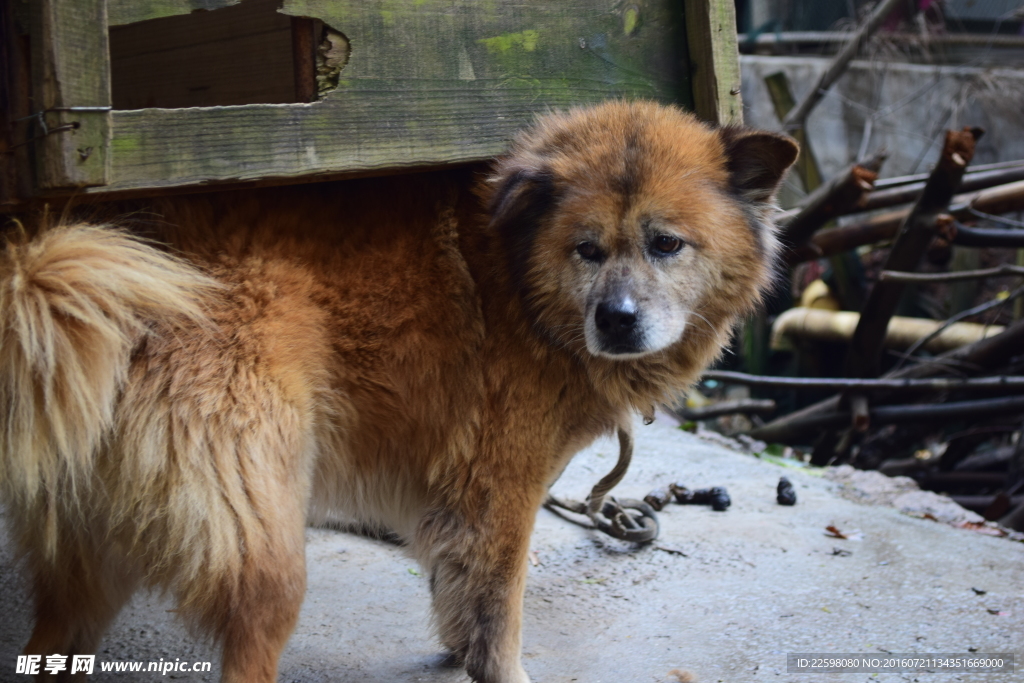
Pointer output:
629, 226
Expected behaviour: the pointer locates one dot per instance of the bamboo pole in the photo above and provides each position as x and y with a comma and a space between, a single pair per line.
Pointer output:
900, 333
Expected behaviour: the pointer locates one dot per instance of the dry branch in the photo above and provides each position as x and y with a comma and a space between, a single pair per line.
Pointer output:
952, 322
886, 183
1003, 270
994, 200
981, 356
900, 414
837, 240
987, 237
1010, 382
798, 115
865, 352
903, 194
842, 195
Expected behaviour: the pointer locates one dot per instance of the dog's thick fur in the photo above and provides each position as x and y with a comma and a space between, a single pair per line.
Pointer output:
390, 350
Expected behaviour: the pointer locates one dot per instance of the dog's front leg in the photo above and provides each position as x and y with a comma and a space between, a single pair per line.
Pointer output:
477, 554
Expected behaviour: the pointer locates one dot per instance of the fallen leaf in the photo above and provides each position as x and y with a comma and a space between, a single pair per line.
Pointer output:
982, 528
999, 613
834, 532
978, 591
682, 676
841, 553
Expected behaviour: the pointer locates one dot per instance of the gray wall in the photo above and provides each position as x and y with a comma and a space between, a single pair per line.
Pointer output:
912, 105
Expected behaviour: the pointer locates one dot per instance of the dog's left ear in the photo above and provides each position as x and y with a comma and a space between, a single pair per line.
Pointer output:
757, 161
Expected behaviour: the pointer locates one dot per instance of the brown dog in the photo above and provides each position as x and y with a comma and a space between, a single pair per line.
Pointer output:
379, 349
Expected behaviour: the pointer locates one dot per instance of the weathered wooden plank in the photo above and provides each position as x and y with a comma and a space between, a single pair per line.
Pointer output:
714, 60
453, 123
427, 83
131, 11
71, 89
508, 45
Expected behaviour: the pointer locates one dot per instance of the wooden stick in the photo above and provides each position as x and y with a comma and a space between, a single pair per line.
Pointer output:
981, 356
900, 414
897, 276
806, 166
746, 406
797, 117
1011, 382
909, 192
886, 183
988, 237
994, 200
714, 58
837, 240
950, 322
865, 352
842, 195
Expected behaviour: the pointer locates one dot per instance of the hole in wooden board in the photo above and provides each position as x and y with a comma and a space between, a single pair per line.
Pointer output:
331, 57
247, 53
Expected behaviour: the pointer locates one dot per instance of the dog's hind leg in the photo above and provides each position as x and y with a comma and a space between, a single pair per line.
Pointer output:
263, 615
73, 608
250, 602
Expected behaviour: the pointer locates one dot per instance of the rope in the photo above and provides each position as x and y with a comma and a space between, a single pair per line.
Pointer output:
626, 519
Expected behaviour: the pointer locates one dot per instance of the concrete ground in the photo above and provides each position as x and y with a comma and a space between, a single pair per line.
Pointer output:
722, 595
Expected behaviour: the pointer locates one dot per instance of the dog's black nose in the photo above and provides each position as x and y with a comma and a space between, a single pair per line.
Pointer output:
617, 325
615, 317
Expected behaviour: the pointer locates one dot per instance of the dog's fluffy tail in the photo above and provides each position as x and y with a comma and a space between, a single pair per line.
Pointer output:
74, 302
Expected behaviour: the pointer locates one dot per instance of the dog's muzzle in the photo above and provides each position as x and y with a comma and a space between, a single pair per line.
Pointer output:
618, 326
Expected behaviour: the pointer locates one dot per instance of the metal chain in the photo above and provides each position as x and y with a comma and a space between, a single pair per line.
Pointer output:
626, 519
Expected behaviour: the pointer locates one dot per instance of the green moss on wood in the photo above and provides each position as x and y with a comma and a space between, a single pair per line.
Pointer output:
427, 82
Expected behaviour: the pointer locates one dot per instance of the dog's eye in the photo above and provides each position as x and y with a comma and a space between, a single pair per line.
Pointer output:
589, 251
666, 244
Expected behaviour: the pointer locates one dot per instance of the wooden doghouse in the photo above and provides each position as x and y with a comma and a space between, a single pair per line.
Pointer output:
121, 98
